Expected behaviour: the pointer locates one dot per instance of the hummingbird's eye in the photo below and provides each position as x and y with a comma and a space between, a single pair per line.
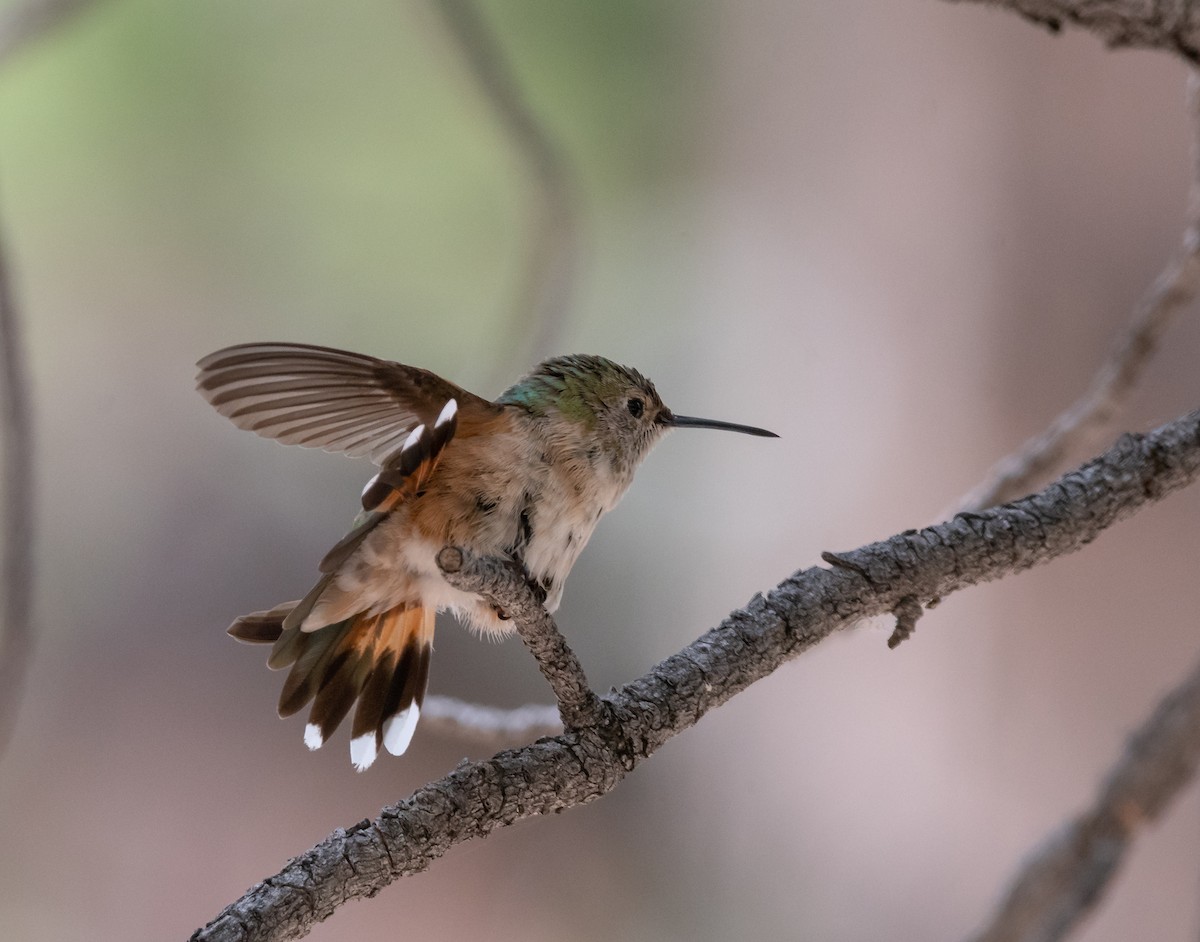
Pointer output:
636, 407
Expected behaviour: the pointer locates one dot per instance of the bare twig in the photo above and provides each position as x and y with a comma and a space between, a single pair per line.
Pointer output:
551, 256
1094, 412
1064, 880
504, 582
584, 763
489, 725
16, 436
20, 24
1173, 25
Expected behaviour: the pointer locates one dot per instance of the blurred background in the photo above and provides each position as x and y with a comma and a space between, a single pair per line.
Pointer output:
900, 234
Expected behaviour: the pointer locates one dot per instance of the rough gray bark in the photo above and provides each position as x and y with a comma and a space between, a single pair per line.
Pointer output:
584, 763
1173, 25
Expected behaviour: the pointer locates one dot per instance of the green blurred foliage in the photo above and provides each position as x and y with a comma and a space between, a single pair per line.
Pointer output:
332, 161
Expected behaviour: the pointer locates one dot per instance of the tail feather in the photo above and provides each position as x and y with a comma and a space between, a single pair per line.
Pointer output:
403, 707
346, 677
395, 691
312, 666
261, 627
288, 648
380, 662
393, 661
301, 609
333, 701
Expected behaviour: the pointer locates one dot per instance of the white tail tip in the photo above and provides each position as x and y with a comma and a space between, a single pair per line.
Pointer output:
398, 732
312, 736
362, 751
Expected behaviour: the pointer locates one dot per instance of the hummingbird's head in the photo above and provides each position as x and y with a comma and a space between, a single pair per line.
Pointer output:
616, 406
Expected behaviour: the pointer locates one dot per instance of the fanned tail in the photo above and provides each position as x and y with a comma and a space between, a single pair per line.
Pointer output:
380, 661
339, 656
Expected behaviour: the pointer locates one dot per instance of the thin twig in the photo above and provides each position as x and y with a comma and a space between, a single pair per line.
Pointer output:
551, 256
504, 582
1065, 880
1094, 413
16, 436
489, 725
585, 763
21, 23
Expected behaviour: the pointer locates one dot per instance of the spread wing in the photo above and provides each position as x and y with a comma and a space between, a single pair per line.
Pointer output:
318, 397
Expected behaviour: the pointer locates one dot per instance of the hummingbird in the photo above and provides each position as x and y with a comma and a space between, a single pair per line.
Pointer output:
527, 476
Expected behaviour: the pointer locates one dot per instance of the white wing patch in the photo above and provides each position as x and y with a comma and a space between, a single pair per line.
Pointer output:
449, 411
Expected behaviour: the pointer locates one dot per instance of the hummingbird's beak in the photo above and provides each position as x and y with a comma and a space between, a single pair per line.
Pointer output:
690, 421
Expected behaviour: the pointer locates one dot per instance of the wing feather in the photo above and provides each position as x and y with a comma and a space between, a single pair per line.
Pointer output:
318, 397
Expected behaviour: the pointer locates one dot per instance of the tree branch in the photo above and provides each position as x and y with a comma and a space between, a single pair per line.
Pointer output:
1173, 25
1175, 288
1064, 881
582, 764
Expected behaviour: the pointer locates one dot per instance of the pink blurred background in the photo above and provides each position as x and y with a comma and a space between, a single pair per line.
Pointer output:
900, 234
